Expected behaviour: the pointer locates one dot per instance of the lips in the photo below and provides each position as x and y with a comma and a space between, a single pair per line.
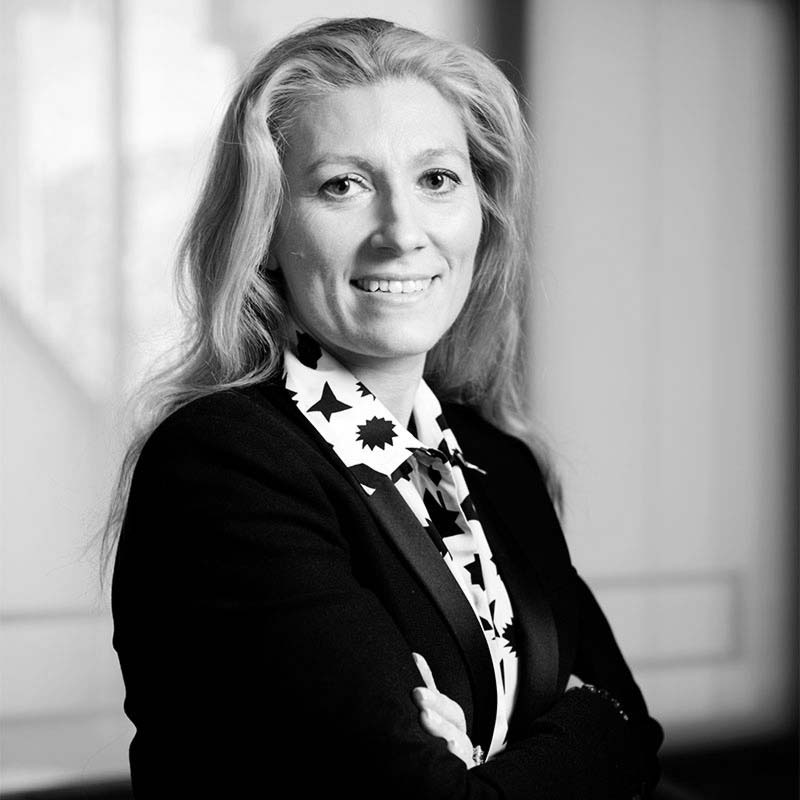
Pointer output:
393, 286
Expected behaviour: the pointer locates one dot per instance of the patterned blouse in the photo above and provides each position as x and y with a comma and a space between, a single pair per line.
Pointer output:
426, 469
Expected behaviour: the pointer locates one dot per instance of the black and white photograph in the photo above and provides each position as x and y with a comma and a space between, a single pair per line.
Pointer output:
399, 401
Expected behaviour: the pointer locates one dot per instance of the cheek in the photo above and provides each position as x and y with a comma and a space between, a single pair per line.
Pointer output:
466, 225
318, 246
466, 241
465, 238
476, 227
300, 256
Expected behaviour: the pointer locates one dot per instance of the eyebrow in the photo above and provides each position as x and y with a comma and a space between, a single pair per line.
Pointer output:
366, 164
438, 152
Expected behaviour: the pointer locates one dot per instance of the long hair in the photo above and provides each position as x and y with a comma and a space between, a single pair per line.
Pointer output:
236, 311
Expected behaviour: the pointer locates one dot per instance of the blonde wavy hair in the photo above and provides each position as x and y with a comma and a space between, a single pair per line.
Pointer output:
234, 305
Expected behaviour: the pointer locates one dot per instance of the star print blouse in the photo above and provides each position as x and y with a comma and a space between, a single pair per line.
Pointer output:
427, 471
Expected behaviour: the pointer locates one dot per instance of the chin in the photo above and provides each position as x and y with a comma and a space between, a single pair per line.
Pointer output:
403, 345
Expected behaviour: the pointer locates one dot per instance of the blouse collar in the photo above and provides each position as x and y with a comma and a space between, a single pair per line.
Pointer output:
359, 427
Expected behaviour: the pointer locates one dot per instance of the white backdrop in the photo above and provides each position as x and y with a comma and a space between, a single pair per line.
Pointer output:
665, 339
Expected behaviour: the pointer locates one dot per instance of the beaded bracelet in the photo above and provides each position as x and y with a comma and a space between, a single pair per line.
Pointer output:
607, 696
478, 756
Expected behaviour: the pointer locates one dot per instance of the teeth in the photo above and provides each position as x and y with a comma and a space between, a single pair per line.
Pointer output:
394, 287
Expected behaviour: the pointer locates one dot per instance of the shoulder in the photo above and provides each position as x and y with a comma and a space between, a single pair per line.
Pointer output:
253, 428
514, 468
232, 455
485, 444
237, 416
230, 409
222, 483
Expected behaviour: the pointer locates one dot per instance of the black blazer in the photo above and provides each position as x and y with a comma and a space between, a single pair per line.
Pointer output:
265, 614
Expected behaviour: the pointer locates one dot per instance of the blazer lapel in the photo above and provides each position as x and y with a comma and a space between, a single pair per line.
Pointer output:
413, 542
398, 523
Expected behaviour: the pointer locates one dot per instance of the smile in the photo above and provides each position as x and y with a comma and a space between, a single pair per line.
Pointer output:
393, 286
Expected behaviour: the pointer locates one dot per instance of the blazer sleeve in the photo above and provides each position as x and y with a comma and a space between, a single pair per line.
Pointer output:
582, 745
253, 657
589, 748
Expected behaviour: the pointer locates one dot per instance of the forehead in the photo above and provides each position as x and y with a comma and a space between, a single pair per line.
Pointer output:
400, 118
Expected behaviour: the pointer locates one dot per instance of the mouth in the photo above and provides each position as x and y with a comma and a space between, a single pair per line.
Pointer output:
392, 286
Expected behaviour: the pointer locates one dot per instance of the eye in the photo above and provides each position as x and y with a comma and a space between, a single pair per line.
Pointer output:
343, 186
440, 181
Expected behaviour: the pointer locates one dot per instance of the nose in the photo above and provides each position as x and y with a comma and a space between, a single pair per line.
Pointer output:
399, 229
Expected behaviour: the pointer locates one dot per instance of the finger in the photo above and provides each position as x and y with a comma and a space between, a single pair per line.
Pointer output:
451, 711
425, 671
440, 703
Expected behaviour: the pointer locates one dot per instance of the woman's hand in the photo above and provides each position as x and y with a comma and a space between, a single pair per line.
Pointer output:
440, 716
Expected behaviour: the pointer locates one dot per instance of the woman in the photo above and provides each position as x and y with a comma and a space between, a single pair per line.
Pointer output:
334, 576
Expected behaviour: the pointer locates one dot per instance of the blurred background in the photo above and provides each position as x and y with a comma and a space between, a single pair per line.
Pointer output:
665, 337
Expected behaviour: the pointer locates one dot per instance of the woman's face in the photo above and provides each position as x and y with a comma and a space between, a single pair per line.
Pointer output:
381, 222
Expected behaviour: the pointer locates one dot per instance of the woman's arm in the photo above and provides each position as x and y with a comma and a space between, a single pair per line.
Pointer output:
599, 662
248, 648
253, 657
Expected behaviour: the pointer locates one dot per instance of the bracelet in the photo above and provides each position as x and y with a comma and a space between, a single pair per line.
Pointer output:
478, 756
606, 696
